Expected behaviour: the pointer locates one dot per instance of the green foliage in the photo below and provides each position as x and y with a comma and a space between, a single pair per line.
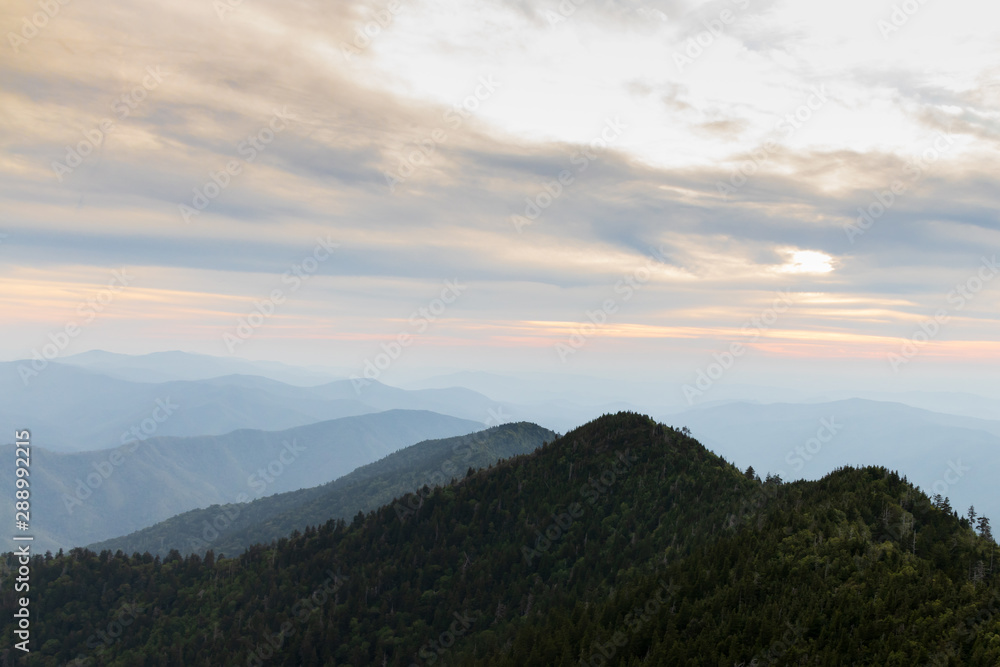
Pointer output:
624, 542
230, 529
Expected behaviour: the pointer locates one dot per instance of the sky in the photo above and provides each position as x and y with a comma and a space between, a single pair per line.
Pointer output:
773, 193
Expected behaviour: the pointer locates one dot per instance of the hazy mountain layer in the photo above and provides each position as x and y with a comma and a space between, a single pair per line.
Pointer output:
948, 454
176, 365
231, 528
73, 409
86, 497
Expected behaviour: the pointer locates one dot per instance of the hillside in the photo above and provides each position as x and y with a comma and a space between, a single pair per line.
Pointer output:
85, 497
231, 528
623, 542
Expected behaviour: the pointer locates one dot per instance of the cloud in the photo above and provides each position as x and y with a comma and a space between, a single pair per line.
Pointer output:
472, 114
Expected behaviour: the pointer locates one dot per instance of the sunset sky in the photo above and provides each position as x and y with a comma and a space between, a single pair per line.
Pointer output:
547, 159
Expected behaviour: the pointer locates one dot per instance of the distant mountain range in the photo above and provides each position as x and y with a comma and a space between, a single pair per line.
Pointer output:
68, 408
176, 365
956, 456
230, 529
100, 400
84, 497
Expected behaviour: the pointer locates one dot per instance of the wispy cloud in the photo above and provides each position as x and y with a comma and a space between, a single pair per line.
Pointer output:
354, 119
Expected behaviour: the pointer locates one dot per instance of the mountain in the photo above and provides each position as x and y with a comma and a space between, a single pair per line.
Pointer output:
624, 542
231, 528
91, 496
941, 453
949, 402
73, 409
176, 365
558, 400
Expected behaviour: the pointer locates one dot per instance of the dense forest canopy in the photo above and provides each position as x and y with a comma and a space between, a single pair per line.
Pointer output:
624, 542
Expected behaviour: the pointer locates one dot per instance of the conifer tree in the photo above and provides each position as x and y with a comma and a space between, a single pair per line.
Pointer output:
984, 528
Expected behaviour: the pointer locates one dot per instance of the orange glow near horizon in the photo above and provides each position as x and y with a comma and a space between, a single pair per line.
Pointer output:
51, 299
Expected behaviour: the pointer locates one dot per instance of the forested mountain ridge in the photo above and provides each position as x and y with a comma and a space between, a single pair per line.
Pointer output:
229, 529
622, 542
86, 497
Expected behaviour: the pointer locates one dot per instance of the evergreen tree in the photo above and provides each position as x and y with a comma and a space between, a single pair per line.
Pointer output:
984, 528
653, 551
